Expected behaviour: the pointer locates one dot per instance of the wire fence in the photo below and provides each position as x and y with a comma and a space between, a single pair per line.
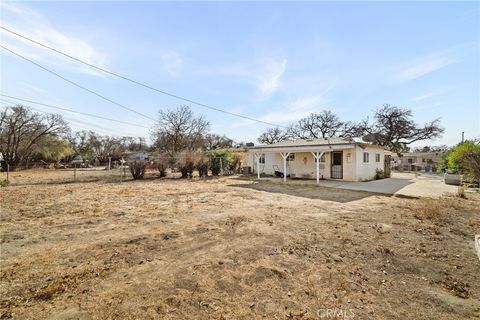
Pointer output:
49, 174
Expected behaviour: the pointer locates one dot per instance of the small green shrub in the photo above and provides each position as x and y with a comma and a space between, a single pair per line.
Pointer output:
4, 183
461, 192
379, 174
219, 159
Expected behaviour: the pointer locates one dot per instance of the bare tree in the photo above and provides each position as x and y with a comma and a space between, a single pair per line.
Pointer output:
21, 130
395, 128
273, 135
324, 124
215, 141
90, 145
179, 130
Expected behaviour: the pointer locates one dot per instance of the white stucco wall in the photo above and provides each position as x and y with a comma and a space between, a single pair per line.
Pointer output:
366, 171
304, 164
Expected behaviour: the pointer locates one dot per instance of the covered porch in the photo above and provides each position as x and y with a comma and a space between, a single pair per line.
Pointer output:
319, 162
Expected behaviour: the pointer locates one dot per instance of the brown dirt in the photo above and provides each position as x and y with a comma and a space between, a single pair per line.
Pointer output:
231, 249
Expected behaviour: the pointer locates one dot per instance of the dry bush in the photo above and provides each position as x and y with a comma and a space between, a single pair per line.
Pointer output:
202, 166
137, 169
162, 166
434, 209
187, 162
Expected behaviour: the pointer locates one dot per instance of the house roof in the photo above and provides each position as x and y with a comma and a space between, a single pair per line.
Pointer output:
302, 144
308, 142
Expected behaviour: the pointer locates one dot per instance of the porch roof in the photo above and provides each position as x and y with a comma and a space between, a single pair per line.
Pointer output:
307, 145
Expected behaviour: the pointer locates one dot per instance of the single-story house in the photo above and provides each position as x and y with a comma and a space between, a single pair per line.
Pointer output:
335, 158
422, 160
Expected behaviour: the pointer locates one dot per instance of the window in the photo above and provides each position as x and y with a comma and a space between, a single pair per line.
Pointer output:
262, 158
409, 160
366, 157
291, 157
377, 157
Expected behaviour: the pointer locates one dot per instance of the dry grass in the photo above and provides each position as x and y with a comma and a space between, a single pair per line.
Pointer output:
231, 249
435, 209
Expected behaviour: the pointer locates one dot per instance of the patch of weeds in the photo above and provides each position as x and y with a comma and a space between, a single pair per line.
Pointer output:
461, 192
457, 288
4, 183
433, 209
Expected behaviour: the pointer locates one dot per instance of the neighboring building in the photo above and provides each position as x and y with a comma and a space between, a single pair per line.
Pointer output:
339, 158
137, 156
417, 160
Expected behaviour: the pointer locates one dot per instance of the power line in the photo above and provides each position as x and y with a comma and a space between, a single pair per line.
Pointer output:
76, 121
76, 84
138, 82
74, 111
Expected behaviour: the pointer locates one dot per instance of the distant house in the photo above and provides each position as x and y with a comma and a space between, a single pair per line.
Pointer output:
418, 160
78, 160
137, 156
335, 158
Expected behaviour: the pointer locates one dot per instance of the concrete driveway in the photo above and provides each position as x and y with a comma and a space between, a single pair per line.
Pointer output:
406, 184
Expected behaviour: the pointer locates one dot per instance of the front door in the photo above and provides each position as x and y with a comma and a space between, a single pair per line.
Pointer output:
337, 165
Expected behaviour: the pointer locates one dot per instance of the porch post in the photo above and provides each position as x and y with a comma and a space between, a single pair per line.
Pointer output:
317, 156
257, 156
284, 156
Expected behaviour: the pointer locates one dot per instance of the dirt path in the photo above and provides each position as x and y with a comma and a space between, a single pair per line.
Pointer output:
234, 249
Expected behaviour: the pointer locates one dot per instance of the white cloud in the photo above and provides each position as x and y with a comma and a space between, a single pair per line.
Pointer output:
25, 21
312, 102
270, 78
426, 65
423, 97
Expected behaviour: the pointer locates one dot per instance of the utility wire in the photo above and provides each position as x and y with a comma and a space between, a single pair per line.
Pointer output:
74, 111
4, 101
76, 84
138, 82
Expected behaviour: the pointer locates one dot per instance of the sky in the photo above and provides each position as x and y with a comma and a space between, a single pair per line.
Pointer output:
276, 62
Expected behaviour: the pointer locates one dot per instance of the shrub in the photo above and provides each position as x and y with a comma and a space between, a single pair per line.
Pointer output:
379, 174
162, 166
137, 169
4, 183
186, 168
465, 159
202, 167
236, 165
461, 192
219, 159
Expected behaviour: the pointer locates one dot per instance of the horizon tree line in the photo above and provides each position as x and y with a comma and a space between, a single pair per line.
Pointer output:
26, 135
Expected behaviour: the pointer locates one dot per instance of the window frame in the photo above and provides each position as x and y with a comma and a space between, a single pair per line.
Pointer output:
377, 157
261, 159
366, 156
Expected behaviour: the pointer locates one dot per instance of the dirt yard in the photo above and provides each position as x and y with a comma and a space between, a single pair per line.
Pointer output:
231, 248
